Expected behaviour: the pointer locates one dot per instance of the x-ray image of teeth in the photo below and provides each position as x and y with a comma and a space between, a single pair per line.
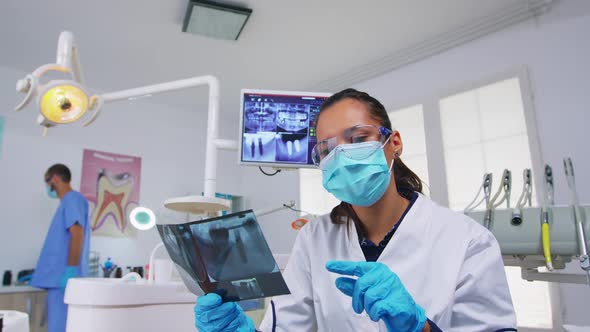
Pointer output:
227, 255
178, 243
248, 288
293, 118
259, 147
292, 147
260, 116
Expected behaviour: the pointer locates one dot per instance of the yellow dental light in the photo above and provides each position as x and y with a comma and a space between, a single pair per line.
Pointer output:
63, 102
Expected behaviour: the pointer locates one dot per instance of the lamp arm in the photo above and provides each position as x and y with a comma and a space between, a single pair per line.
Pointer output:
67, 55
212, 142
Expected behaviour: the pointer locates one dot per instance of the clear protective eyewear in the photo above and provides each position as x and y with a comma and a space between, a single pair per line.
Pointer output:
352, 135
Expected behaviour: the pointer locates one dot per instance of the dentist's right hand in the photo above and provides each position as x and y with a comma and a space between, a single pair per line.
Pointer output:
211, 315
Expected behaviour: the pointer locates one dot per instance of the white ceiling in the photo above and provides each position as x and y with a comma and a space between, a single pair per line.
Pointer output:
285, 44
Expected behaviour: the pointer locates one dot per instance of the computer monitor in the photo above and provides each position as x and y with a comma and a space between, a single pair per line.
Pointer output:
278, 128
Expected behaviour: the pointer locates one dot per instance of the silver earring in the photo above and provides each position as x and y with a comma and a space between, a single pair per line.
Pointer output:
397, 154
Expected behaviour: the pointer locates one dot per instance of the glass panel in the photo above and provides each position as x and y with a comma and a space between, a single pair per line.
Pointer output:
531, 300
465, 168
460, 120
501, 109
419, 165
410, 124
313, 197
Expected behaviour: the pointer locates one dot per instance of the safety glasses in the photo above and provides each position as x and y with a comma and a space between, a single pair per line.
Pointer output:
352, 135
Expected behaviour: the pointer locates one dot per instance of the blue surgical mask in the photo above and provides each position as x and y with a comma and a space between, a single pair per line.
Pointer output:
360, 182
51, 192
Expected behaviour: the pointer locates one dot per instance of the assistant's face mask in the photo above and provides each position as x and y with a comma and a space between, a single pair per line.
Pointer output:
354, 180
50, 191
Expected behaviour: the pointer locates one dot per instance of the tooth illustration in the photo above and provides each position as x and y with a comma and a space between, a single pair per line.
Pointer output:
113, 193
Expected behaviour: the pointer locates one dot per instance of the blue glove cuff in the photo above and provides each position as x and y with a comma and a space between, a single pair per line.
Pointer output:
69, 273
420, 318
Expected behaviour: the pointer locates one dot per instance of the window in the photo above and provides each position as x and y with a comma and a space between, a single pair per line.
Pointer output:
484, 130
410, 124
531, 300
312, 195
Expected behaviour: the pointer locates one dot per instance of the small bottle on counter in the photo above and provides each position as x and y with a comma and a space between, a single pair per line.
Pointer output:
118, 273
138, 270
7, 278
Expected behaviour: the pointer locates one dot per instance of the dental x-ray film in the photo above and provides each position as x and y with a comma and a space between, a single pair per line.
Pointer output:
227, 255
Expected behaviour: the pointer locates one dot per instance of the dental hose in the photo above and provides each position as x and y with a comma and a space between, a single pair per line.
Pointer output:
546, 237
545, 217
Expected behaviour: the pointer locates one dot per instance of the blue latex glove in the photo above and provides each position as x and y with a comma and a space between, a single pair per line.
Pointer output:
69, 273
380, 293
213, 316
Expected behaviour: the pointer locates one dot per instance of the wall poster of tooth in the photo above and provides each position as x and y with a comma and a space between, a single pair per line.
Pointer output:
110, 183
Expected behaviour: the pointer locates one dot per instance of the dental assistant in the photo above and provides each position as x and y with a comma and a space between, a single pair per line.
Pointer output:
66, 249
387, 258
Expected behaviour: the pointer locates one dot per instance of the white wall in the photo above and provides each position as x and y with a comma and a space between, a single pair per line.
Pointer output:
262, 192
555, 49
169, 141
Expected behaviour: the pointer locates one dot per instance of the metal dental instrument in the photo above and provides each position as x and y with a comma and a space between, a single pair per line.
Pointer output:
549, 183
506, 188
525, 196
487, 192
485, 187
583, 251
545, 217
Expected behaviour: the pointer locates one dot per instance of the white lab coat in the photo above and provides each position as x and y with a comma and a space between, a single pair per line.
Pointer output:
449, 263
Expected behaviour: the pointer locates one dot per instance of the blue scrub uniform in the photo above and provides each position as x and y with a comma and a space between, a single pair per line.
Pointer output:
73, 209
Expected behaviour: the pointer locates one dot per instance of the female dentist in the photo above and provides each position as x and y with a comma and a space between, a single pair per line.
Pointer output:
387, 258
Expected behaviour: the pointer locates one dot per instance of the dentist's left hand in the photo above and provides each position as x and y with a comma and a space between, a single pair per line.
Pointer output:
211, 315
380, 293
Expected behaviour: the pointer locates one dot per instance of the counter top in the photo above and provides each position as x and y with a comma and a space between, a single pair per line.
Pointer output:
115, 292
19, 289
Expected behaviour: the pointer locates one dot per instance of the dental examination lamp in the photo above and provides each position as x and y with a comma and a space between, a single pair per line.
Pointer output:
66, 101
